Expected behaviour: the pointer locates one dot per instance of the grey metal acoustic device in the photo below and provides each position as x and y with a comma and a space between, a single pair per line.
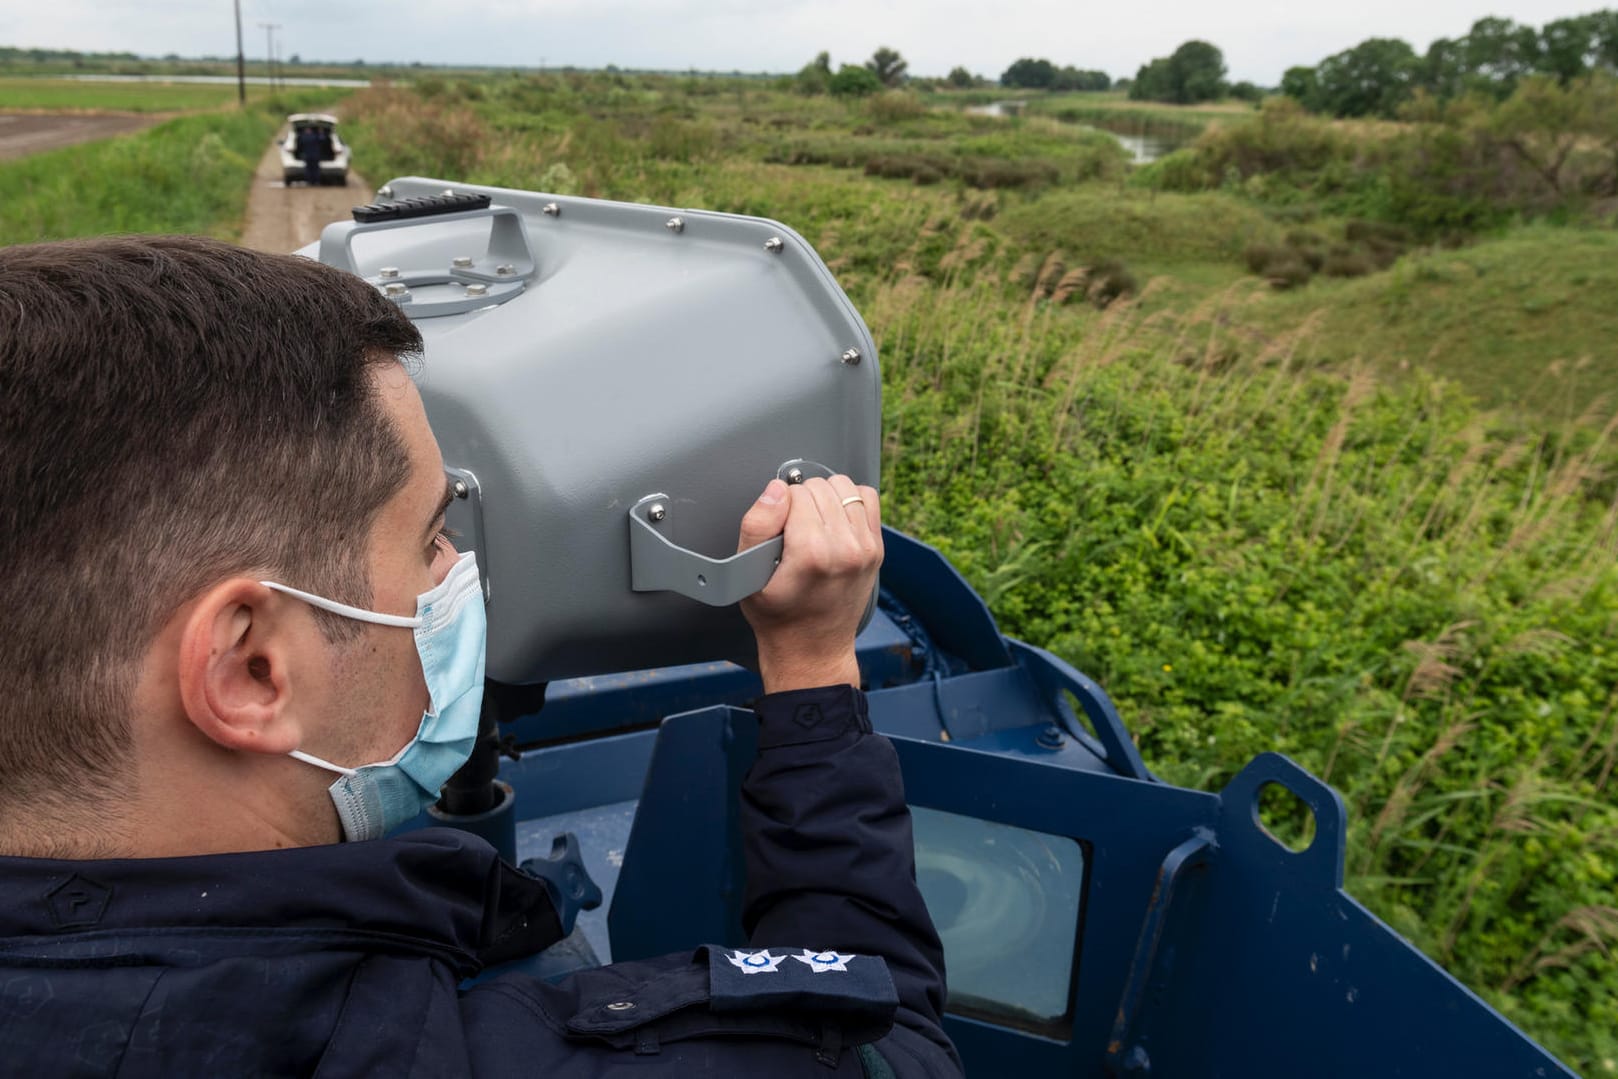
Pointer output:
587, 362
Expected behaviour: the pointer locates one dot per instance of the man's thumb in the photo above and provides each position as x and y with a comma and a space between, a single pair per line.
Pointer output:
766, 518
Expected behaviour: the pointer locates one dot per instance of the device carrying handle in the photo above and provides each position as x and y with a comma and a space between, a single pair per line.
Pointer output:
658, 564
508, 256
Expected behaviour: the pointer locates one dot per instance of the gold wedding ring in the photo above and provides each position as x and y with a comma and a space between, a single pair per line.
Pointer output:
851, 499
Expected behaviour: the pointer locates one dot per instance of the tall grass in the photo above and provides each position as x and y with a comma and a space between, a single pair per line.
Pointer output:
1416, 602
1252, 539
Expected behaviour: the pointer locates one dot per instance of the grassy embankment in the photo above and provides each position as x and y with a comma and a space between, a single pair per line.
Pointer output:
1116, 112
1526, 317
1210, 496
188, 174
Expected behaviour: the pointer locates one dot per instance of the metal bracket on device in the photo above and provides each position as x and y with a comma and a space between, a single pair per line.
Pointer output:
658, 564
469, 282
464, 515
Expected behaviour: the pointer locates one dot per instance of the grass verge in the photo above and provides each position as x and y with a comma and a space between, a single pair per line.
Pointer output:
190, 174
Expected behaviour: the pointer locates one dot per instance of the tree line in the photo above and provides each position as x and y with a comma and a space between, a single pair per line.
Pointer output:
1380, 75
1033, 74
1377, 77
1194, 72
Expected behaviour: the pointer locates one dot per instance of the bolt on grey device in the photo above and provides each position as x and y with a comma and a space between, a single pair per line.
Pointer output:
612, 385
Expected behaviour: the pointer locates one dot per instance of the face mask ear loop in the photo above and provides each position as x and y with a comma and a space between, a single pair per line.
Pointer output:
359, 614
310, 758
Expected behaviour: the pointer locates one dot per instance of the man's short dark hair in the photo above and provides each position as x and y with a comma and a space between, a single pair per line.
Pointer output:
173, 411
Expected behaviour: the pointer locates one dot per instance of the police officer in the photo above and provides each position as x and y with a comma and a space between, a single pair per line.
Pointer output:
238, 647
313, 145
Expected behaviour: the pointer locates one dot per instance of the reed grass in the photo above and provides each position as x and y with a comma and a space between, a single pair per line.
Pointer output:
1412, 599
1257, 532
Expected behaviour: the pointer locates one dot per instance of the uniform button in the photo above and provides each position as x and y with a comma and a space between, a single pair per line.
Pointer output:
620, 1005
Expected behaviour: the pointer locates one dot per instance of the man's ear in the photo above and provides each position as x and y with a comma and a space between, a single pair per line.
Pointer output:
236, 647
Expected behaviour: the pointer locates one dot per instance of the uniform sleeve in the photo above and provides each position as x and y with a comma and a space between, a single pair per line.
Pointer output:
831, 860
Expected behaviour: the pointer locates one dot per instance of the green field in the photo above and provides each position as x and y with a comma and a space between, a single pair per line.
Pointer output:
187, 174
26, 93
1261, 518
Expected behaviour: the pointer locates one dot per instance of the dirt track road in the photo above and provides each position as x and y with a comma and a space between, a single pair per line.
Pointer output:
28, 133
282, 218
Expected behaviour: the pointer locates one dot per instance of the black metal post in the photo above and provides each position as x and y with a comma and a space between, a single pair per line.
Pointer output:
241, 60
472, 790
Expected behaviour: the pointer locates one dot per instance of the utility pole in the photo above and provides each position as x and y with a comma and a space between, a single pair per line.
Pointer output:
269, 49
241, 60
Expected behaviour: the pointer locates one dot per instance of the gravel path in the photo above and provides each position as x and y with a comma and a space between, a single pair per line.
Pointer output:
282, 218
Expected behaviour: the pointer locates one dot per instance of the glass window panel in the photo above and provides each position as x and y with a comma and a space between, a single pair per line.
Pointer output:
1006, 903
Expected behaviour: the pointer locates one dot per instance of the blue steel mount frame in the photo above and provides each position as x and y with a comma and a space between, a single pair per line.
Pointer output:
1189, 941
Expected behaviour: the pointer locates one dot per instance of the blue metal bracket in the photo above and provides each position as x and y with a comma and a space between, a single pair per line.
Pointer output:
683, 875
1278, 972
1166, 917
957, 619
1240, 828
1055, 679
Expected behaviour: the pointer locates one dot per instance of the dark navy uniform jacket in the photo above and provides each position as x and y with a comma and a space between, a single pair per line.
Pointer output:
311, 145
350, 959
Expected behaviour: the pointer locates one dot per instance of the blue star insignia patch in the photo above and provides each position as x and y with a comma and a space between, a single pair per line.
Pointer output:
755, 962
823, 980
818, 961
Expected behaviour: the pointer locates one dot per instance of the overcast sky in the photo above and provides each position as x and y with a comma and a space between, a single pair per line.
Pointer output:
1260, 38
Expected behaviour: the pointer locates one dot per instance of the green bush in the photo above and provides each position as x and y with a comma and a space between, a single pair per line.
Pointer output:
1259, 256
1444, 180
1282, 138
1182, 170
852, 80
1368, 246
1290, 269
1345, 262
1110, 280
999, 174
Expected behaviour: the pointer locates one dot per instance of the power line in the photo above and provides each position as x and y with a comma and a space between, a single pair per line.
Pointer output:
269, 51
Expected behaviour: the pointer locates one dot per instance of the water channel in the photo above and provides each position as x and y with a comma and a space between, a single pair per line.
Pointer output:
1144, 146
251, 80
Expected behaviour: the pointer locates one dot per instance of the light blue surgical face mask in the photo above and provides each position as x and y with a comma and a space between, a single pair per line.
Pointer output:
450, 635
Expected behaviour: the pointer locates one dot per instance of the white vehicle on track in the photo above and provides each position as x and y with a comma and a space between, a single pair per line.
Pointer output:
310, 132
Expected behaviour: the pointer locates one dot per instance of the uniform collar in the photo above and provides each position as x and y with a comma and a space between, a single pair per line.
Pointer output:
436, 891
